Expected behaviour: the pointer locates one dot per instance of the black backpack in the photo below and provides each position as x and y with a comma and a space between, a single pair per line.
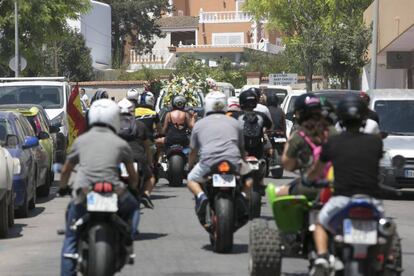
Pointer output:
128, 130
252, 130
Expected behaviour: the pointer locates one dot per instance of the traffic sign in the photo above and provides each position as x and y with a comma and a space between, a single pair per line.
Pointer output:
283, 79
12, 63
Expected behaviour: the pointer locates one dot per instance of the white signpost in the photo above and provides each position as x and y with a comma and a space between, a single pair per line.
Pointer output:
283, 79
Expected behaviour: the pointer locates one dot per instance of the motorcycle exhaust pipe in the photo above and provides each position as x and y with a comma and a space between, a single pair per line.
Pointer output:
386, 227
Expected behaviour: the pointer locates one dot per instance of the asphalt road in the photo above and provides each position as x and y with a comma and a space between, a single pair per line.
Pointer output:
171, 241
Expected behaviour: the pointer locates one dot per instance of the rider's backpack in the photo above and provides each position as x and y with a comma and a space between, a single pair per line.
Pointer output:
128, 130
252, 130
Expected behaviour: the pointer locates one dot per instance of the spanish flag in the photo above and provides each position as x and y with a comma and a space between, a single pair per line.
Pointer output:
76, 119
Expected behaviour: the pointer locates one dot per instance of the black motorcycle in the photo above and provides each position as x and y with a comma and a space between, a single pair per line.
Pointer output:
103, 235
227, 211
274, 161
258, 171
177, 158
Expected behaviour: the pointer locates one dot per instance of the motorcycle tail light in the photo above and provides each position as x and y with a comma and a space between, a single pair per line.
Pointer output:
107, 187
381, 258
361, 213
104, 187
224, 167
98, 187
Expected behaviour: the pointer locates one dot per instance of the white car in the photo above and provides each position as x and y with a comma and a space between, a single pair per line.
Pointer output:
288, 107
395, 108
280, 90
51, 93
8, 167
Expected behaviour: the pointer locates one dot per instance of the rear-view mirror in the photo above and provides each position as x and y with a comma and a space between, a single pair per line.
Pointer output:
30, 142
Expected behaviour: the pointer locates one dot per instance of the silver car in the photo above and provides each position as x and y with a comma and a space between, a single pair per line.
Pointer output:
395, 108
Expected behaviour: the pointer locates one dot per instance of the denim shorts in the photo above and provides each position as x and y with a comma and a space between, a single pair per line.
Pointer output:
198, 173
335, 205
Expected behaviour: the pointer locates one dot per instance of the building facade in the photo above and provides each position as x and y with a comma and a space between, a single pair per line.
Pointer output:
395, 55
209, 30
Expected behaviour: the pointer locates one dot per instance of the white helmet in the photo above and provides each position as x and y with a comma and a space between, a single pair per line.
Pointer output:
215, 102
126, 106
233, 104
147, 98
105, 112
132, 94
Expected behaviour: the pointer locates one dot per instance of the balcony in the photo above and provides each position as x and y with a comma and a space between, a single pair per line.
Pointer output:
261, 46
225, 17
157, 59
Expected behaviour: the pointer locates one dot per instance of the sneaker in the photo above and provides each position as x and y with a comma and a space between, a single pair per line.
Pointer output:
201, 208
320, 267
146, 201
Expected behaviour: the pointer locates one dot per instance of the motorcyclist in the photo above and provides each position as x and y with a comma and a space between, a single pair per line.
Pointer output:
99, 94
136, 134
233, 107
355, 157
277, 114
260, 107
213, 144
177, 123
133, 96
97, 153
371, 113
298, 153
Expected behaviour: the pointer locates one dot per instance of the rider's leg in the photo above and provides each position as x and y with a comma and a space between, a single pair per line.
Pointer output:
68, 265
129, 208
194, 180
320, 237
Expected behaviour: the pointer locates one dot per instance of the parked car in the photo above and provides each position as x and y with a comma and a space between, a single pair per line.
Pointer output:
280, 90
395, 108
288, 105
23, 147
8, 167
51, 93
40, 124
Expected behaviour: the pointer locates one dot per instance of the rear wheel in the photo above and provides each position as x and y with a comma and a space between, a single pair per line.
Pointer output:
101, 257
223, 221
264, 249
4, 220
23, 210
394, 266
32, 202
175, 170
11, 209
43, 191
255, 204
277, 173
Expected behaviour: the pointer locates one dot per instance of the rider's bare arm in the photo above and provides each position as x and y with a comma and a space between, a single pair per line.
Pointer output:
132, 175
192, 157
166, 121
316, 170
289, 163
148, 151
65, 174
191, 118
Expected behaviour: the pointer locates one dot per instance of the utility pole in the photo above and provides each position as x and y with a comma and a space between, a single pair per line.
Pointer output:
16, 40
374, 49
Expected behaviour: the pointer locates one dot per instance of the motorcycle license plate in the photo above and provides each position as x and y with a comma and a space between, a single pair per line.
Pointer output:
279, 140
224, 180
360, 231
102, 202
409, 173
254, 166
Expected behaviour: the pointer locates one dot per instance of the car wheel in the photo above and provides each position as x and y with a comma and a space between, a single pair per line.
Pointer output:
4, 221
11, 209
23, 211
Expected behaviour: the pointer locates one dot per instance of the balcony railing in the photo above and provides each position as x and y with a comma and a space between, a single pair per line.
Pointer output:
156, 56
261, 46
225, 17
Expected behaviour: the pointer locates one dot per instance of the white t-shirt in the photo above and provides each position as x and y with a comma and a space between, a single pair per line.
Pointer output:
371, 127
85, 98
264, 109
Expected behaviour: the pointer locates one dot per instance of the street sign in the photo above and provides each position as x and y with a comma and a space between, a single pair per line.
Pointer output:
399, 60
283, 79
12, 63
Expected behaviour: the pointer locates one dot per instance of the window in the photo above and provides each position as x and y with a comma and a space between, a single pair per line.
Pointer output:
227, 38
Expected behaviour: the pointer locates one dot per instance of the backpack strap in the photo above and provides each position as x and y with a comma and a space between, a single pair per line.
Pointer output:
307, 139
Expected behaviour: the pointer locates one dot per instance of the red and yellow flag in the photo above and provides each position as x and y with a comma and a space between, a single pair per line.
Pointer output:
76, 119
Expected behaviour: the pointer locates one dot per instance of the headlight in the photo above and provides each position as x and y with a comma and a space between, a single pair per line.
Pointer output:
58, 120
386, 160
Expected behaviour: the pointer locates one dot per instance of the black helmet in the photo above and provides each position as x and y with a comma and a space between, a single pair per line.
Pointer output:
272, 99
352, 111
99, 94
248, 98
328, 111
307, 106
179, 102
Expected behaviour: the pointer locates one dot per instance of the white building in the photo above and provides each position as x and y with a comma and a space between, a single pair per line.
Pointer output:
95, 26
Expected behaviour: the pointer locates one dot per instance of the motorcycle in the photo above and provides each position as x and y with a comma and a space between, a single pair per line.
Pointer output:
103, 234
226, 212
177, 158
274, 161
258, 171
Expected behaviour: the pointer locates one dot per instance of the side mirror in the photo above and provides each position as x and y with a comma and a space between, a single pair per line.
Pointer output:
11, 141
54, 129
43, 135
289, 116
58, 125
384, 134
30, 142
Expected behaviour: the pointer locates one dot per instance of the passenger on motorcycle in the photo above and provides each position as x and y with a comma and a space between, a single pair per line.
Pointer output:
277, 114
177, 123
214, 145
233, 107
355, 157
313, 130
133, 95
98, 154
135, 133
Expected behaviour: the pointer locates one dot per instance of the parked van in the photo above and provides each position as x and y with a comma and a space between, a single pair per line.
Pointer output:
50, 92
280, 90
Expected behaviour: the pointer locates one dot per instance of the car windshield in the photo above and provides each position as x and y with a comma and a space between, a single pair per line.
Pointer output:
290, 108
46, 96
199, 100
334, 97
280, 93
396, 117
5, 129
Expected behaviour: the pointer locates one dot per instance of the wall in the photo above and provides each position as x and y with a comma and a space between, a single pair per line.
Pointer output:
211, 6
183, 5
208, 29
386, 78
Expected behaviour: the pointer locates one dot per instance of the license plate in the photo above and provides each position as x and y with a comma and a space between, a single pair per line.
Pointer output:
254, 166
360, 231
279, 140
224, 180
102, 202
409, 173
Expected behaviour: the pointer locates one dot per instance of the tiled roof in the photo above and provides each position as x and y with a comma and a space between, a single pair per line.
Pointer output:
178, 22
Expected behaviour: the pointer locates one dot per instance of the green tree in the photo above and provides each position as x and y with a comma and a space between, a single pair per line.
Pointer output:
135, 21
41, 23
302, 22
